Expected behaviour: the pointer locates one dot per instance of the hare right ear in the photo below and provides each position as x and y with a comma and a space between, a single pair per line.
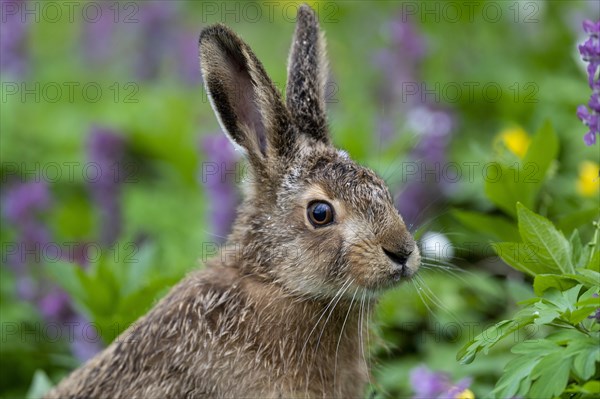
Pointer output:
247, 104
307, 76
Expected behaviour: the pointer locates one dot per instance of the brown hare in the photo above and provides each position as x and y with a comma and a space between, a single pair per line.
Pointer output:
282, 311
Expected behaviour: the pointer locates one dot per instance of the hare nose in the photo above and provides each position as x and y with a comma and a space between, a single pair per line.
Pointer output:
399, 258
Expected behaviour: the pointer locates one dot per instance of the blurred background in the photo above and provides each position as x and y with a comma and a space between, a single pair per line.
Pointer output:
116, 178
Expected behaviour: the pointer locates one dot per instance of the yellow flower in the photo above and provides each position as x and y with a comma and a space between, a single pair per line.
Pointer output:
466, 394
588, 182
516, 140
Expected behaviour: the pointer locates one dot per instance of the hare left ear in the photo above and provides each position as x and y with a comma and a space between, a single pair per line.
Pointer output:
307, 77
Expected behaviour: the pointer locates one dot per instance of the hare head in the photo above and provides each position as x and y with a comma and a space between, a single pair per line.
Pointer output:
312, 220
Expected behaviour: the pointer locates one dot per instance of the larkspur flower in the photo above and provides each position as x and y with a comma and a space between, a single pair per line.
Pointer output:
590, 53
106, 151
218, 181
23, 202
98, 35
156, 19
187, 56
13, 38
401, 66
24, 205
428, 384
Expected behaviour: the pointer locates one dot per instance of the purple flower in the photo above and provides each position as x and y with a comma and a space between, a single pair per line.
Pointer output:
400, 63
86, 342
402, 93
218, 176
55, 305
596, 315
25, 200
98, 35
13, 37
106, 152
156, 35
23, 203
428, 384
187, 58
590, 52
591, 28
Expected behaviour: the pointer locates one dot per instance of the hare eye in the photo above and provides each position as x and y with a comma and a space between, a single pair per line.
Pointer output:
320, 213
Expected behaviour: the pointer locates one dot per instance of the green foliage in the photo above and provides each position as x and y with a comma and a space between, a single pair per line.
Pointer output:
115, 291
522, 180
566, 283
165, 204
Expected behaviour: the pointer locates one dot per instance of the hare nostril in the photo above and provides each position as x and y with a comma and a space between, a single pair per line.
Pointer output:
397, 257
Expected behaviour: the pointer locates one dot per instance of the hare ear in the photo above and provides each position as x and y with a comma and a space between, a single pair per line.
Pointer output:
247, 104
307, 76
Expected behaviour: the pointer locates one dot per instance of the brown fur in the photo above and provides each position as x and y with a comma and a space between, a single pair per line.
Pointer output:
282, 312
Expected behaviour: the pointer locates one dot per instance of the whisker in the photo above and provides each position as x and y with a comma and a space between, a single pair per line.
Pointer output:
436, 301
339, 294
340, 337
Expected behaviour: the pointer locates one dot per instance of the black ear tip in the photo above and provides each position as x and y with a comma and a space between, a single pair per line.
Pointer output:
214, 31
305, 12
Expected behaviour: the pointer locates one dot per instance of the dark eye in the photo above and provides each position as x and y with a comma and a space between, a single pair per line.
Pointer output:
320, 213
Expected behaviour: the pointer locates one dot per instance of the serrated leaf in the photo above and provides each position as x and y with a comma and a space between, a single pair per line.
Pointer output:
552, 247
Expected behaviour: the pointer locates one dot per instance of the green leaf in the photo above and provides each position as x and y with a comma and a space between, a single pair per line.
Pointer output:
496, 227
138, 269
545, 313
576, 248
65, 275
543, 282
536, 347
502, 190
586, 354
540, 154
515, 380
520, 256
39, 386
594, 262
507, 185
552, 247
573, 220
591, 387
551, 376
590, 278
492, 335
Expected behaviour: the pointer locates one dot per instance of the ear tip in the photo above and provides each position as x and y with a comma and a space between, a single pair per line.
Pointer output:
306, 12
212, 31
